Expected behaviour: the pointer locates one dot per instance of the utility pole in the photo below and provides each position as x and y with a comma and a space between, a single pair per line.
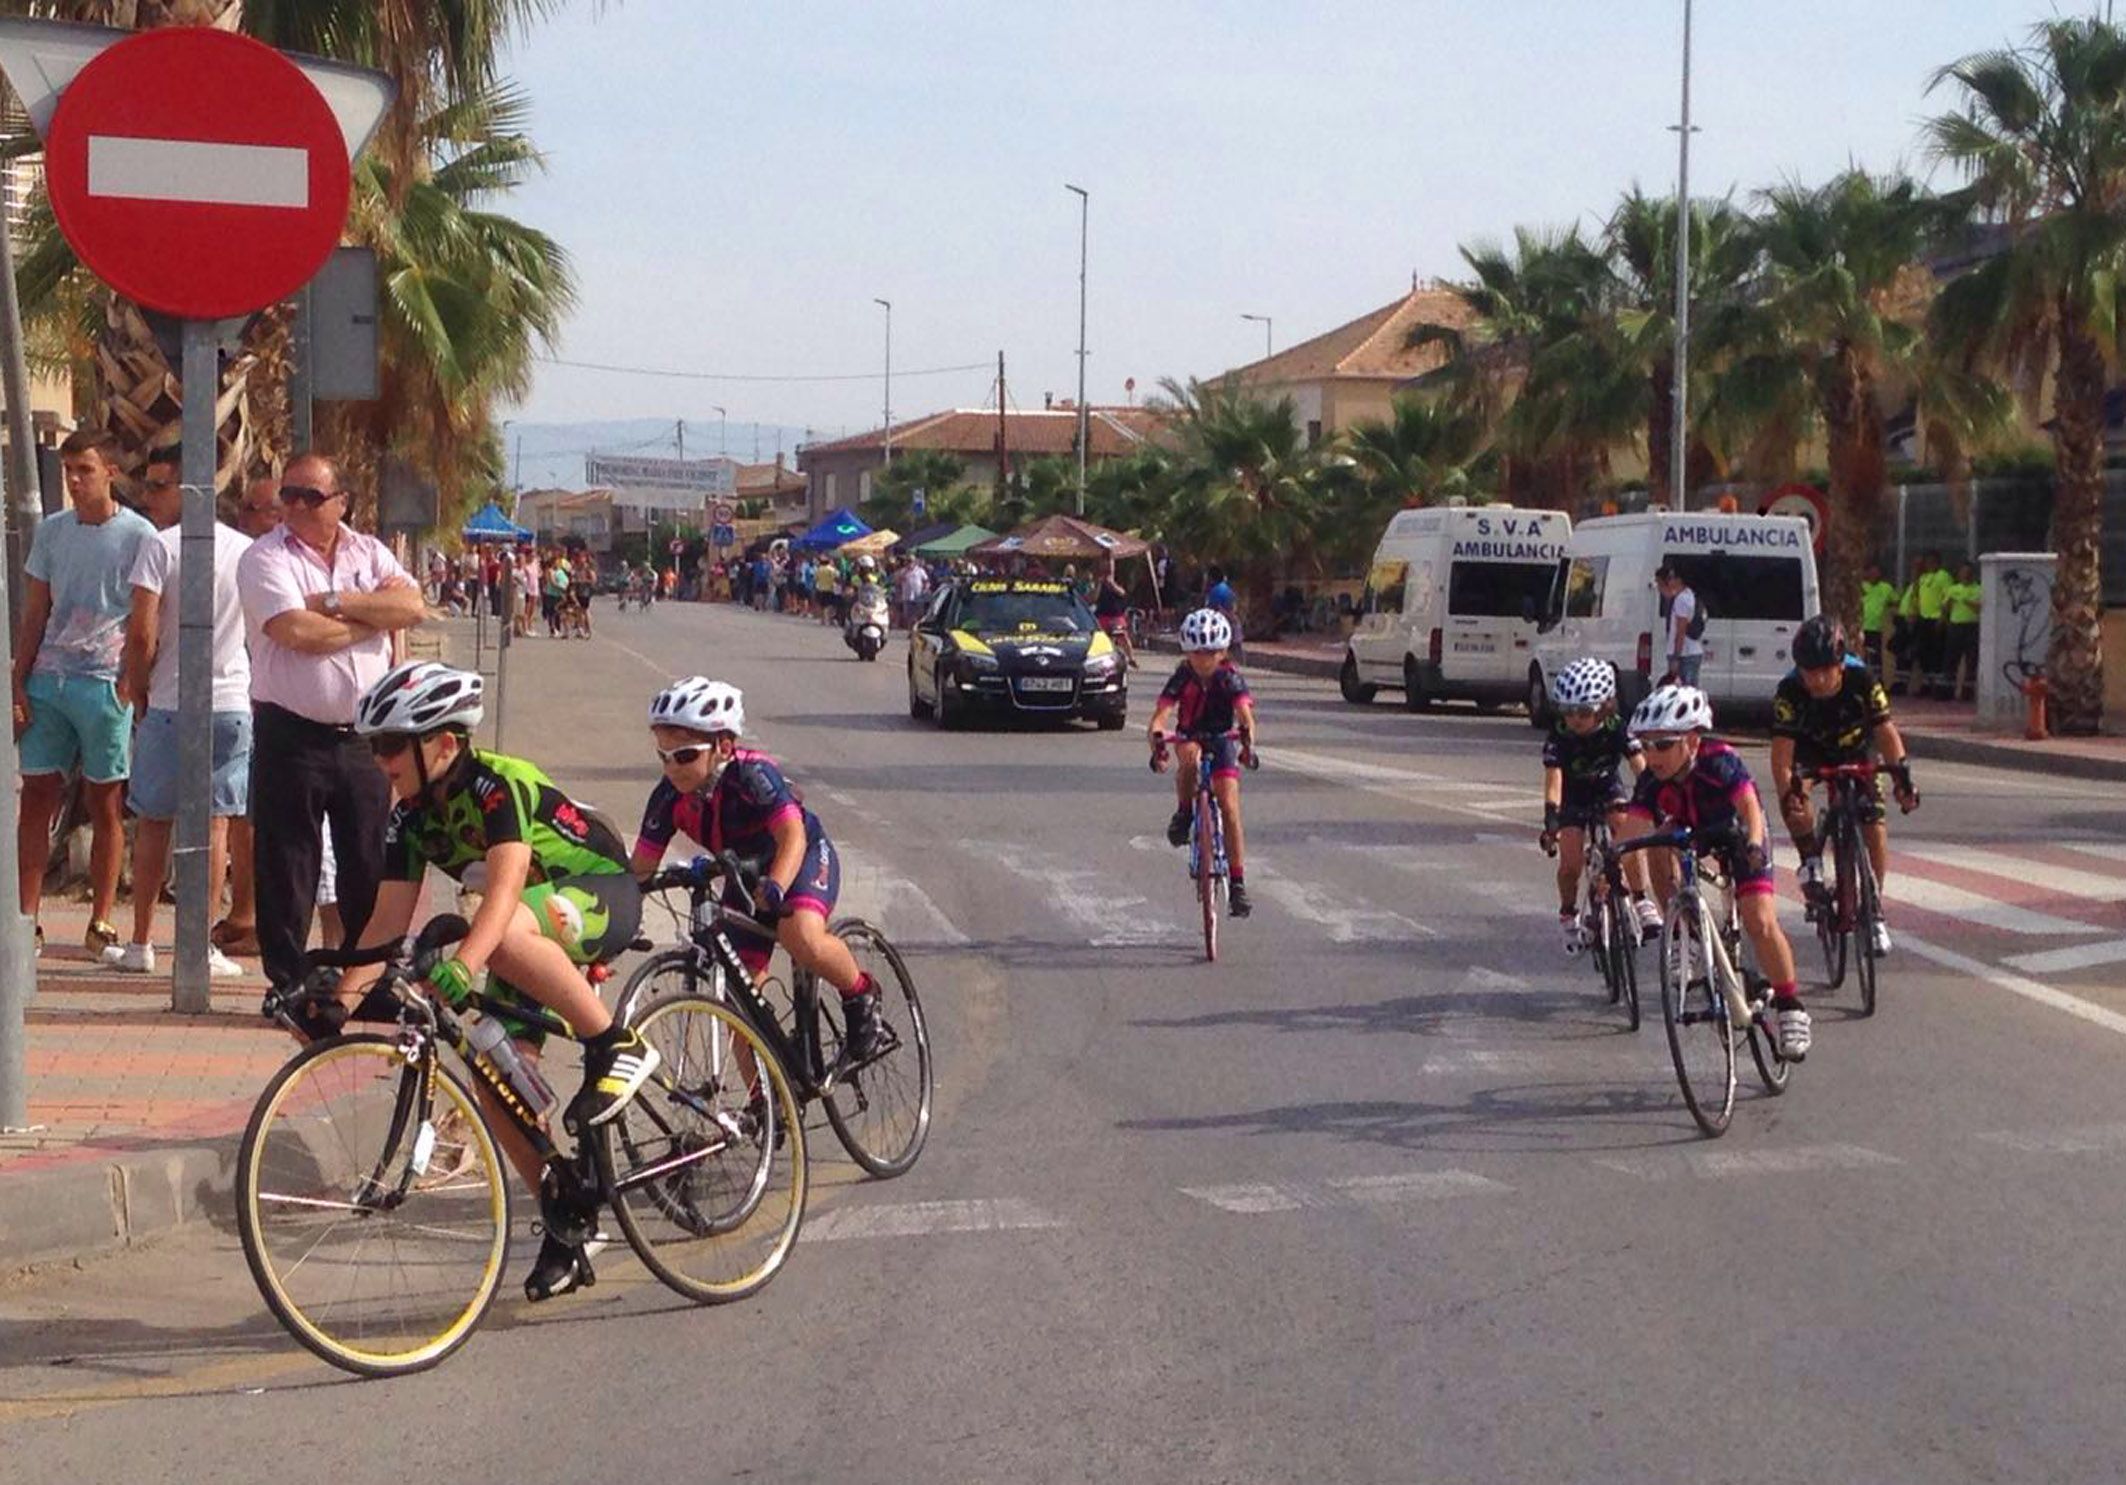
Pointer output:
1003, 434
1085, 202
1267, 352
1679, 424
723, 432
682, 435
887, 305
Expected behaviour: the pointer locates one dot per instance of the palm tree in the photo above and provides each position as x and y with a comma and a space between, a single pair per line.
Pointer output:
892, 502
1422, 452
2040, 135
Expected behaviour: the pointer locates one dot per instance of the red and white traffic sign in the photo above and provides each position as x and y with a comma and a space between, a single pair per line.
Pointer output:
197, 172
1805, 501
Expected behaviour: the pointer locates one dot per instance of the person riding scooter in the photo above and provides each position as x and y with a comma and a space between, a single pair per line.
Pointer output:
864, 630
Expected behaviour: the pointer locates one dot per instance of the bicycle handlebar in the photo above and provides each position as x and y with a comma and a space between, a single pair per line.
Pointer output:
695, 879
1161, 741
440, 931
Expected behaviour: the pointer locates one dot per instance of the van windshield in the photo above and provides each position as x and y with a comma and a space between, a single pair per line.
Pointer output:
1739, 587
1499, 590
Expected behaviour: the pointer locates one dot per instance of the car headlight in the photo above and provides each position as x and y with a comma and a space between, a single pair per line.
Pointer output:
972, 665
1100, 665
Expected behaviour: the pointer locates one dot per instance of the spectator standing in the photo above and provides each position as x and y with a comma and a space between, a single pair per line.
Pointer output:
1934, 586
557, 581
150, 670
70, 707
911, 585
1878, 598
1111, 611
1679, 605
321, 602
1960, 642
1218, 594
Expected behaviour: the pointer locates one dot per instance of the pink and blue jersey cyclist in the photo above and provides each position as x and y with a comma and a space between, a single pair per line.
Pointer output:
1708, 798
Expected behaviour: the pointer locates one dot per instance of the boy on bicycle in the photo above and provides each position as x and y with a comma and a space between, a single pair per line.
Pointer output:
727, 798
1700, 782
1831, 709
1207, 695
1587, 747
555, 896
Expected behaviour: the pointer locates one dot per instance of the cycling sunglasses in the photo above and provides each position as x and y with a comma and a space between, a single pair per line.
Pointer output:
391, 744
687, 754
1662, 744
307, 495
1578, 711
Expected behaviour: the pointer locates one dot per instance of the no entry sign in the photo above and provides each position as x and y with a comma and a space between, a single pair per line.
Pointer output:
197, 172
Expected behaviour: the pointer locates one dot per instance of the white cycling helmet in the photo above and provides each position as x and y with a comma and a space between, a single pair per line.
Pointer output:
1672, 709
1206, 629
700, 705
419, 698
867, 563
1589, 682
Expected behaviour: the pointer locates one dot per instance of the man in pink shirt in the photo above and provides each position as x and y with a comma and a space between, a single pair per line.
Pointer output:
321, 604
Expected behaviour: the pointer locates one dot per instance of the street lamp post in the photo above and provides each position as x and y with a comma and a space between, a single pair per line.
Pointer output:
1679, 425
1267, 350
887, 305
1085, 202
723, 431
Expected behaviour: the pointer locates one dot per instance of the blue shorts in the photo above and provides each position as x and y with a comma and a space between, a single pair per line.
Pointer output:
153, 794
77, 721
817, 888
1221, 755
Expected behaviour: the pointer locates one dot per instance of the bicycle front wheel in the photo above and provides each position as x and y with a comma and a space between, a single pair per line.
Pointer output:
375, 1227
1701, 1041
1622, 953
705, 1167
1865, 919
880, 1109
1207, 880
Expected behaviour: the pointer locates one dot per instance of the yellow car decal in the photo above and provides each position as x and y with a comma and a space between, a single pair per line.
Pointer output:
969, 645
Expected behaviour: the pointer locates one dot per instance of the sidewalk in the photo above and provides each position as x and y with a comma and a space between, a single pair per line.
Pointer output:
1932, 729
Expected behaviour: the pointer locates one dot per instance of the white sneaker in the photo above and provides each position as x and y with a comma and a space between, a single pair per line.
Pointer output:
1793, 1033
221, 966
1575, 939
1811, 874
131, 959
1649, 919
1879, 940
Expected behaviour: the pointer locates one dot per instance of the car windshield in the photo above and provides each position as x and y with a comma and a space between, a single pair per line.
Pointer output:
1042, 611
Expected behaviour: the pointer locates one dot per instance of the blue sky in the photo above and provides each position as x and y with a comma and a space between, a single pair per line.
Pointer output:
737, 182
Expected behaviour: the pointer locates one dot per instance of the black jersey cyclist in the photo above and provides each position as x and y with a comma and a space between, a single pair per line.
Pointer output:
556, 894
1832, 709
1583, 764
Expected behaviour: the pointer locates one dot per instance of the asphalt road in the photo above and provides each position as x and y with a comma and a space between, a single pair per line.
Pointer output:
1388, 1194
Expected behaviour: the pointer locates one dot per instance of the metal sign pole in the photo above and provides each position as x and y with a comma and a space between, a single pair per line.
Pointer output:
195, 666
18, 968
502, 638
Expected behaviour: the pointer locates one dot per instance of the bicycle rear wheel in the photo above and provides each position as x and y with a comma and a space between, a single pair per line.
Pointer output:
1621, 951
1701, 1040
705, 1167
1869, 913
1208, 881
880, 1109
376, 1229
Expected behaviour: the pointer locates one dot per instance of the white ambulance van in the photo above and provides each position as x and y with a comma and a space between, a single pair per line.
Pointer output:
1452, 603
1755, 577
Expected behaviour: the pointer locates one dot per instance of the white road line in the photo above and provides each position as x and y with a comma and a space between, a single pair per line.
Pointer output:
1108, 915
2061, 879
648, 664
1417, 1185
2015, 984
1247, 1200
2088, 1139
2101, 850
1955, 902
1719, 1164
206, 172
1344, 922
2081, 956
896, 904
924, 1218
1481, 1060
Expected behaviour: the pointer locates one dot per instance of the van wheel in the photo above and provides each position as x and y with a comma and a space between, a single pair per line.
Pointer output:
1357, 692
1538, 700
1414, 697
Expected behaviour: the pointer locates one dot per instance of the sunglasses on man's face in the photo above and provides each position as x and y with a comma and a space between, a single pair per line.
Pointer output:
1662, 744
391, 744
686, 755
306, 495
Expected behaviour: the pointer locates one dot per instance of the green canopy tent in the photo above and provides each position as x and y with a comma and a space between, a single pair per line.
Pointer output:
954, 543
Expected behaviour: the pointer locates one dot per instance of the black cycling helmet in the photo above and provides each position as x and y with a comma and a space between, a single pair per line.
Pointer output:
1819, 642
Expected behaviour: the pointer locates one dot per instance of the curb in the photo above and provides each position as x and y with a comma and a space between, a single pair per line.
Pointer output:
86, 1207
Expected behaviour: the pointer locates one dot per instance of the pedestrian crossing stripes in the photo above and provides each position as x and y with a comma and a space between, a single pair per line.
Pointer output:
927, 1218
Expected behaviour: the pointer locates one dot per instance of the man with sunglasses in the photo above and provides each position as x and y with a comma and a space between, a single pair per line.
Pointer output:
321, 603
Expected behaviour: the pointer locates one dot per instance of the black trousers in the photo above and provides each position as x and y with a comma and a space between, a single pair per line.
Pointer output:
302, 773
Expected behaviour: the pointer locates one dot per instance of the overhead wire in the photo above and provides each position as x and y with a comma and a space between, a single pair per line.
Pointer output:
721, 376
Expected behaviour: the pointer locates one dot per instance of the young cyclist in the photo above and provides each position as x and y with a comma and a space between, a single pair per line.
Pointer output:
556, 895
1699, 781
1581, 758
1831, 709
1206, 694
727, 798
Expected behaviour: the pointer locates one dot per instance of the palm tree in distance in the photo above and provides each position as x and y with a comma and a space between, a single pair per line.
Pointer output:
2040, 135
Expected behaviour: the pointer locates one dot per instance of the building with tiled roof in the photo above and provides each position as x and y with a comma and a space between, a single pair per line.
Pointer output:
1351, 373
778, 484
839, 472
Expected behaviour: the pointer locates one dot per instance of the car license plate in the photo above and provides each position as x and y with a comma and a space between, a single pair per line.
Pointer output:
1045, 683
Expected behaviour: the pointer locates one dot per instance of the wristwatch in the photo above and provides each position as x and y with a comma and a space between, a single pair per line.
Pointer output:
332, 604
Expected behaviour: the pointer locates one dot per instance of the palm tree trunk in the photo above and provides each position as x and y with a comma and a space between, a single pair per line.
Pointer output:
1660, 434
1853, 418
2075, 667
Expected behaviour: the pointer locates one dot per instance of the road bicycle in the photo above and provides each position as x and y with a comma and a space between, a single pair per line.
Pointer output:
879, 1106
1207, 864
371, 1196
1847, 909
1710, 999
1609, 929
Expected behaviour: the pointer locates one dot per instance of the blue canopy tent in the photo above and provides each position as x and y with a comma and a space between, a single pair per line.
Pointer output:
839, 527
489, 524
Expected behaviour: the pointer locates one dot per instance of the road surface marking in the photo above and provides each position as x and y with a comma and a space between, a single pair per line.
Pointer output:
2015, 984
1417, 1185
1480, 1060
1345, 922
2064, 880
2081, 956
1107, 914
925, 1218
199, 171
1718, 1164
1246, 1200
2101, 850
2061, 1141
1955, 902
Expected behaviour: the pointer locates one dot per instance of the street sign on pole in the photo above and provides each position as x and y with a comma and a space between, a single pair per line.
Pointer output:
204, 175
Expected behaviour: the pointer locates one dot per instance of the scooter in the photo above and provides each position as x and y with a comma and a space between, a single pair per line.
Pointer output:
865, 631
